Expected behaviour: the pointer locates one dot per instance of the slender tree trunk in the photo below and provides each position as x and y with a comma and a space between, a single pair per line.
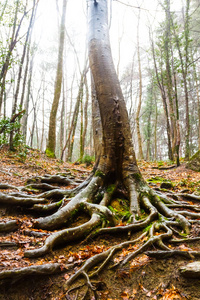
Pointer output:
164, 100
169, 84
184, 68
22, 59
13, 41
198, 104
155, 131
51, 144
85, 114
42, 136
3, 9
178, 137
26, 105
140, 153
62, 120
75, 119
84, 121
71, 132
81, 130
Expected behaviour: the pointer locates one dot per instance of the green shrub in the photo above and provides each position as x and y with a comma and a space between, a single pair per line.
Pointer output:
88, 160
12, 126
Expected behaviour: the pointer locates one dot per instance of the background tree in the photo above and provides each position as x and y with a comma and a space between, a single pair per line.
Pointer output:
51, 144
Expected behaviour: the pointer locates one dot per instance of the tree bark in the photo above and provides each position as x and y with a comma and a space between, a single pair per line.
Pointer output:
117, 155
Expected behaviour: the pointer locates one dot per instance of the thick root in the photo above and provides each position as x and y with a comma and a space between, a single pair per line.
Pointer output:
20, 201
64, 236
61, 217
9, 226
51, 179
14, 275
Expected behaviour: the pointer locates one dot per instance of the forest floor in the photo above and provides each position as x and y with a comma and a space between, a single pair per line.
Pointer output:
145, 278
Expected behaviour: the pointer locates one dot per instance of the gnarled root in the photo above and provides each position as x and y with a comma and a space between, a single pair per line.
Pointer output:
64, 236
162, 218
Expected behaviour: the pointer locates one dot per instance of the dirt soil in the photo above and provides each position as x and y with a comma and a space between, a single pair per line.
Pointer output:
142, 279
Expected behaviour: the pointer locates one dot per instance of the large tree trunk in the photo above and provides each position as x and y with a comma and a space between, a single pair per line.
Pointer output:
117, 156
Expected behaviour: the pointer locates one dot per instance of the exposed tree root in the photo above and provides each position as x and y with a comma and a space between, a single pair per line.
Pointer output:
64, 236
14, 275
48, 208
40, 186
34, 233
9, 226
4, 186
20, 201
8, 244
103, 257
63, 215
165, 218
171, 252
51, 179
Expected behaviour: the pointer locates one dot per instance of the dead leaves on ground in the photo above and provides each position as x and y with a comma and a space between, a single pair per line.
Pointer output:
160, 293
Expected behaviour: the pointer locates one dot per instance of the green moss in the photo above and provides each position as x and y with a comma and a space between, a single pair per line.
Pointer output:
74, 212
81, 205
99, 173
158, 179
137, 176
183, 234
110, 189
147, 228
59, 203
120, 209
50, 153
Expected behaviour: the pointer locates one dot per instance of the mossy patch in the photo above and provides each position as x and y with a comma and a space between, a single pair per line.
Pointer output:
50, 153
137, 176
157, 179
99, 173
164, 183
110, 189
194, 162
120, 208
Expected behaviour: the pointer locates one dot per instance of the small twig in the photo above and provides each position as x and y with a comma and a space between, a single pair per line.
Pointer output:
88, 280
75, 287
